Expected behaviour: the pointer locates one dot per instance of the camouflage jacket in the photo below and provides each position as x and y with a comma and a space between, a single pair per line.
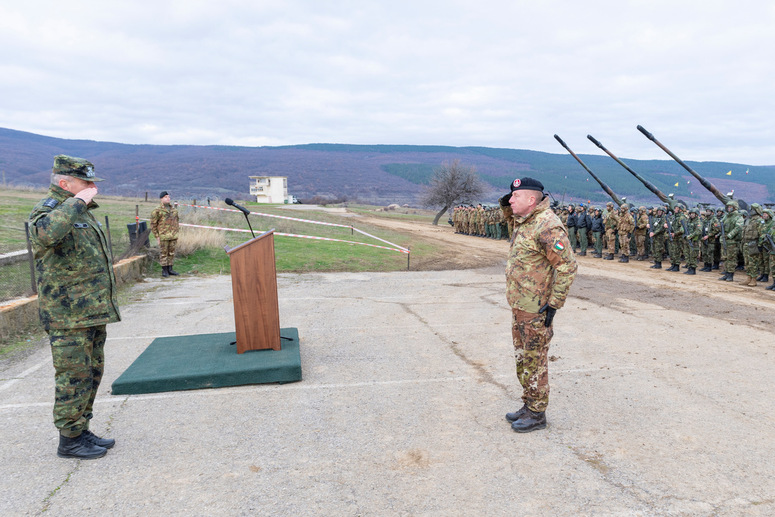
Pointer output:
164, 223
643, 223
712, 227
658, 223
611, 219
73, 264
626, 222
541, 266
733, 225
752, 228
695, 229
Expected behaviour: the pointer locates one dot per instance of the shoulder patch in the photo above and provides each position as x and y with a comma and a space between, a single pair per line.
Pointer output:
558, 246
50, 203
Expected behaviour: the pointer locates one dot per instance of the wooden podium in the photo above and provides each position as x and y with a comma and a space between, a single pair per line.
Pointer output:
254, 286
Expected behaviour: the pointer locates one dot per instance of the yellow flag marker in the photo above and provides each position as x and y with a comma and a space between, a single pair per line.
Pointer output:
676, 184
729, 173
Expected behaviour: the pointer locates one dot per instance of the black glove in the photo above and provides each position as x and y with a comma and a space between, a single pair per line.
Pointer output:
504, 201
549, 310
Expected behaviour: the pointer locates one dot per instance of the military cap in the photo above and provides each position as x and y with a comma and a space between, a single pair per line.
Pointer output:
163, 193
527, 184
75, 167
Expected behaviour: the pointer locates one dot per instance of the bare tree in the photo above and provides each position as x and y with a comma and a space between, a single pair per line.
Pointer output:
451, 184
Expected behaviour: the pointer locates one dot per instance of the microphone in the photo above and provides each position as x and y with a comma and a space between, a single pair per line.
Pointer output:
230, 201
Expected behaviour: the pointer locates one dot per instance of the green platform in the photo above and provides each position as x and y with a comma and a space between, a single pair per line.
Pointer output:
208, 361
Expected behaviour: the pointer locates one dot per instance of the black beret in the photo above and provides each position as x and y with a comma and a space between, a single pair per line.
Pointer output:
526, 184
163, 193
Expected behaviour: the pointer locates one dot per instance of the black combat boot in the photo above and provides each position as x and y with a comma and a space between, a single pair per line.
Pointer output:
164, 271
715, 266
724, 276
624, 258
512, 417
690, 271
92, 438
764, 277
657, 265
707, 267
731, 277
531, 421
170, 271
676, 267
608, 257
771, 287
79, 447
640, 258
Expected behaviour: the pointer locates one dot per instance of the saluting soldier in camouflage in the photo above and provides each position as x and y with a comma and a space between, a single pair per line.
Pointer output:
751, 251
165, 226
76, 299
539, 272
732, 233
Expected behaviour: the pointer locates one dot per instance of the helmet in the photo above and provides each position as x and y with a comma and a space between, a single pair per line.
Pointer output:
624, 206
733, 203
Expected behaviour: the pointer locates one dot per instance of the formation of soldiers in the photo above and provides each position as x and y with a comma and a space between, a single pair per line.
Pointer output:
728, 239
481, 221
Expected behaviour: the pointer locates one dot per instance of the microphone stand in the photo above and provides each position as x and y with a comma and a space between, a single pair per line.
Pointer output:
248, 220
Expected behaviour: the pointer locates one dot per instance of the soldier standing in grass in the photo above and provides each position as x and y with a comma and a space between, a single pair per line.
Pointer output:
165, 226
76, 299
539, 272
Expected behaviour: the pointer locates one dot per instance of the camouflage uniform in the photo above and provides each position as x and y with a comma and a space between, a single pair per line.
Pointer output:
733, 232
626, 226
611, 222
76, 295
165, 226
692, 240
540, 270
640, 233
658, 234
677, 242
751, 252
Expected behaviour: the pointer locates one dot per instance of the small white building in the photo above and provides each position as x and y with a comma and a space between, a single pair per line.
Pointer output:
269, 189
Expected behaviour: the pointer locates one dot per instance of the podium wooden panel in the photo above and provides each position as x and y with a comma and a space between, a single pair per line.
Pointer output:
254, 286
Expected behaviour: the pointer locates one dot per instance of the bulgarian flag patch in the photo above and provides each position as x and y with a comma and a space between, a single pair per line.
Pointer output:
558, 246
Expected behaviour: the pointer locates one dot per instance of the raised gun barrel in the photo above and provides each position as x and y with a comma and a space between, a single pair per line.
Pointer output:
617, 199
705, 183
662, 197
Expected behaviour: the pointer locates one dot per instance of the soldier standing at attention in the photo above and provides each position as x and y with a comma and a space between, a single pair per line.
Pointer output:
570, 224
692, 241
751, 251
539, 272
76, 299
583, 224
657, 232
732, 224
625, 227
598, 230
165, 226
611, 222
640, 232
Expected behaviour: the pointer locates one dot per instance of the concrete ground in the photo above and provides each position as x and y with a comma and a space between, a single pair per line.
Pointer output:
655, 409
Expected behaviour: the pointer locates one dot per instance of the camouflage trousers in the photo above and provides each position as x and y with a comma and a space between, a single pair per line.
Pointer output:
79, 360
624, 243
531, 351
610, 241
691, 252
640, 243
708, 250
167, 252
658, 247
753, 261
729, 255
675, 249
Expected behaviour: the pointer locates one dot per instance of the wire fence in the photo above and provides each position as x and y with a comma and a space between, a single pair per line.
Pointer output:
17, 273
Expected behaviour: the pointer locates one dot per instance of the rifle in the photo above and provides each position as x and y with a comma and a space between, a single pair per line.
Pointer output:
669, 227
723, 233
686, 234
768, 237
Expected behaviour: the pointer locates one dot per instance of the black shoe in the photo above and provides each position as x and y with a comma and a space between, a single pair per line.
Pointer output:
582, 254
80, 448
624, 258
706, 268
730, 278
657, 265
608, 257
92, 438
676, 268
771, 287
531, 421
640, 258
724, 276
763, 278
715, 266
740, 268
690, 271
512, 417
171, 272
165, 272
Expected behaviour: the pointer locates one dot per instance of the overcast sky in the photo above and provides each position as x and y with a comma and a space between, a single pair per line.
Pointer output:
700, 75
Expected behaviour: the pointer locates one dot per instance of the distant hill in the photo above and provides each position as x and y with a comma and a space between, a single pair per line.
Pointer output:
377, 174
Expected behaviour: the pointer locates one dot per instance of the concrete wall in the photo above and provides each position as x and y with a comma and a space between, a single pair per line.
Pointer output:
19, 314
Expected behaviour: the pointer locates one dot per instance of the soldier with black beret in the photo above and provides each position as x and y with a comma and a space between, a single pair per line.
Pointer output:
76, 299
